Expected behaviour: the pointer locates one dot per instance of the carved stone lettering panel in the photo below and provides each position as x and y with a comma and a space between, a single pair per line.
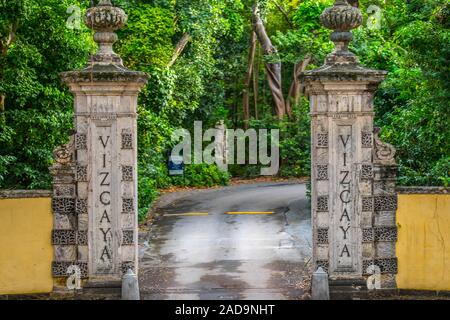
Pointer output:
345, 207
103, 196
344, 215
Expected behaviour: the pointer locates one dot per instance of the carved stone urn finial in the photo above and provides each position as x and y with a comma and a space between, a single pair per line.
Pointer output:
104, 19
341, 18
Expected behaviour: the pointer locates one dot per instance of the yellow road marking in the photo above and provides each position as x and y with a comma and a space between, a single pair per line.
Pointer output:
250, 212
189, 214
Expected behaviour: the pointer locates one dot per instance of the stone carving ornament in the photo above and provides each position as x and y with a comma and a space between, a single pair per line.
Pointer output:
380, 234
322, 140
104, 19
322, 172
384, 152
366, 172
322, 204
80, 142
63, 155
367, 139
341, 18
63, 205
127, 205
386, 202
127, 140
322, 236
387, 265
127, 173
59, 269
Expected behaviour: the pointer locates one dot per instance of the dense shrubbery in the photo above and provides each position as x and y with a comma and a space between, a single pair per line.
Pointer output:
294, 145
412, 105
195, 175
38, 108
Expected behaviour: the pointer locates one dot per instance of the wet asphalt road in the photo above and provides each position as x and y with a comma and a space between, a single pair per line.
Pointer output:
229, 257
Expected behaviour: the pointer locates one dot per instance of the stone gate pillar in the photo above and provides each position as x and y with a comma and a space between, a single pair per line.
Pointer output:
101, 237
345, 230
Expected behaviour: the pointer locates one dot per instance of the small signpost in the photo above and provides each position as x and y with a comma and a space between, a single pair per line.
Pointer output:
176, 166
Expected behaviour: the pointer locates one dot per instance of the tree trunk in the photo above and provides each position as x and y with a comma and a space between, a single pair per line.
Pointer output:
284, 13
296, 90
255, 86
179, 48
273, 68
236, 101
248, 79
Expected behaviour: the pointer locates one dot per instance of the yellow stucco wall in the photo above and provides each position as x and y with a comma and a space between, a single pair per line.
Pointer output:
26, 252
423, 247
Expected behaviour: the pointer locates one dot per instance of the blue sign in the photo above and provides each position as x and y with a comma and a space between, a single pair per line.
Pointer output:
176, 166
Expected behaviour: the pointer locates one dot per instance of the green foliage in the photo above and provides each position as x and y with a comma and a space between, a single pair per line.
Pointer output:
294, 144
205, 82
146, 42
412, 104
176, 95
308, 37
198, 175
38, 106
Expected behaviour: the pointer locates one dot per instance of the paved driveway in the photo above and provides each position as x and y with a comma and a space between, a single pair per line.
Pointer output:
240, 242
